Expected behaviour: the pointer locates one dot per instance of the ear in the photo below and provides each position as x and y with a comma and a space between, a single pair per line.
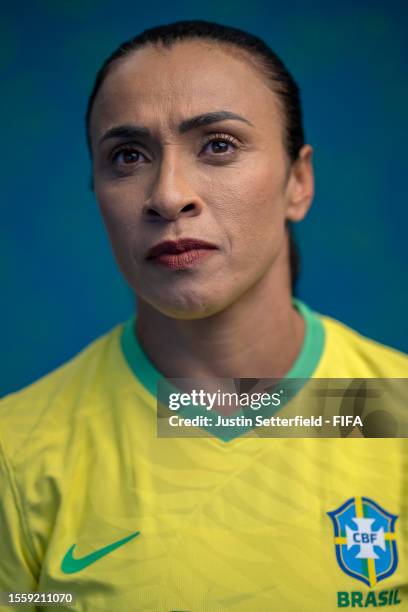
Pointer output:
300, 186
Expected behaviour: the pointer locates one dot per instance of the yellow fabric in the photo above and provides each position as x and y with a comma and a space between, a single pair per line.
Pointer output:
239, 526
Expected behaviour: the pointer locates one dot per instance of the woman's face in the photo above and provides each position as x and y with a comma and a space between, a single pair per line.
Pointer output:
188, 142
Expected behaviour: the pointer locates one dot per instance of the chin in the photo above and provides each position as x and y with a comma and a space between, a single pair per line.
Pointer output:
185, 305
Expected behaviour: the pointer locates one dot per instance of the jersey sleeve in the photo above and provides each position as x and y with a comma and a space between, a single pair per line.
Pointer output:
18, 568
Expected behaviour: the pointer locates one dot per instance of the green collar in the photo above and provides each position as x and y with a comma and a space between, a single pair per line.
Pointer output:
303, 368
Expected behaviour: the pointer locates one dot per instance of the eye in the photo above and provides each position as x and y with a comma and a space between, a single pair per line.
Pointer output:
127, 156
220, 144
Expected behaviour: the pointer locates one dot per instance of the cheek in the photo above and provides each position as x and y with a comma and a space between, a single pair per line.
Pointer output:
119, 213
252, 211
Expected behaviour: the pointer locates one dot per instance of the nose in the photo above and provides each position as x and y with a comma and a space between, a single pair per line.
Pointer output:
171, 194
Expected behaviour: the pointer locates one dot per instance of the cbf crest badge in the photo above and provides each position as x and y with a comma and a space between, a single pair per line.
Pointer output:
364, 539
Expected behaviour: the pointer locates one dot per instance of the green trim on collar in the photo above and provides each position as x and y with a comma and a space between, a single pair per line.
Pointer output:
136, 358
303, 368
313, 343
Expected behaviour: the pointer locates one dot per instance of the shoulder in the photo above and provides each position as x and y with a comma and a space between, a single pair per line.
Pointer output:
47, 406
45, 444
349, 353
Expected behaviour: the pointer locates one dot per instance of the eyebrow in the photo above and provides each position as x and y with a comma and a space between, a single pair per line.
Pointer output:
208, 118
134, 131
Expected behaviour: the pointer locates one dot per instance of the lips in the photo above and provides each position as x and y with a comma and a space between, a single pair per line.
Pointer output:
174, 247
181, 254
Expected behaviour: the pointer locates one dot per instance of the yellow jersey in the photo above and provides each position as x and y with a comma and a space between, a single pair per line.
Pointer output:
94, 503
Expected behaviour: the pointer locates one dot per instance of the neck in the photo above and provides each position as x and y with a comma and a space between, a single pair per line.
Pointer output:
258, 336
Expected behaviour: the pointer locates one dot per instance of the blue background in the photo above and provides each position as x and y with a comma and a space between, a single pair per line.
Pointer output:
60, 285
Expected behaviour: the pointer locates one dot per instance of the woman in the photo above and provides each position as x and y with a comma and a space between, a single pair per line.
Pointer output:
199, 167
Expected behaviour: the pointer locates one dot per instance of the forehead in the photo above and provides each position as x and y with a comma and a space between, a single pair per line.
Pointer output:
167, 85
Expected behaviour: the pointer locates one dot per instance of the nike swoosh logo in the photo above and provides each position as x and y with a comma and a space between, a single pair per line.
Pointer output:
70, 565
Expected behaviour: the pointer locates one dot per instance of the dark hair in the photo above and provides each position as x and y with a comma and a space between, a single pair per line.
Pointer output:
281, 81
